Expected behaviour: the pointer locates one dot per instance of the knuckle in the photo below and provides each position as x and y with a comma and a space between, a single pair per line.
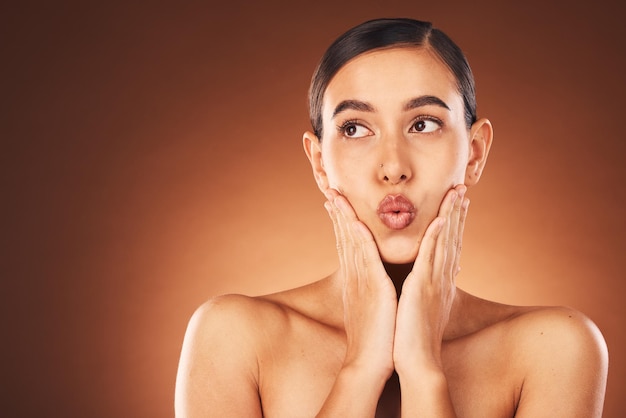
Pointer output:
341, 243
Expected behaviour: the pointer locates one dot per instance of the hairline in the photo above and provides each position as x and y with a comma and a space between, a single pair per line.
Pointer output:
425, 46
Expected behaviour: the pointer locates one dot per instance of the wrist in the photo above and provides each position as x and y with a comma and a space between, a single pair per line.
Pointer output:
427, 359
355, 392
426, 390
368, 380
423, 372
368, 370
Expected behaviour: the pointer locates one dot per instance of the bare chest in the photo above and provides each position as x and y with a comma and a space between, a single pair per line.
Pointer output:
297, 371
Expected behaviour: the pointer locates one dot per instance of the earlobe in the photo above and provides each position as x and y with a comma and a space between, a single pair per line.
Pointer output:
313, 150
481, 137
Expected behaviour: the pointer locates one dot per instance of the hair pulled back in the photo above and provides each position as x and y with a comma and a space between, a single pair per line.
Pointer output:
386, 33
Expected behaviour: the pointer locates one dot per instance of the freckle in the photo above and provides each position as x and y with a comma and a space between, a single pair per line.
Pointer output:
541, 333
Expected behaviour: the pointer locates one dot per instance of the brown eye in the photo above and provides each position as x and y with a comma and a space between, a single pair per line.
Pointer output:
426, 125
353, 130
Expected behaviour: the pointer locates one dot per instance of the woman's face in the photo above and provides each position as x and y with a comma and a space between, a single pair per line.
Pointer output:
395, 141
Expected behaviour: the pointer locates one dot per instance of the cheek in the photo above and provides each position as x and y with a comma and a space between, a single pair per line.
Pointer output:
456, 162
458, 170
341, 167
345, 179
333, 173
440, 168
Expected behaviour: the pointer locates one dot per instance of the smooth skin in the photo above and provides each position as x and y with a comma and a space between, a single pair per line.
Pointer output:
388, 333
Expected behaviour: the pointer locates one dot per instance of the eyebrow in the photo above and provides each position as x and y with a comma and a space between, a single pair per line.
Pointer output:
425, 101
414, 103
352, 105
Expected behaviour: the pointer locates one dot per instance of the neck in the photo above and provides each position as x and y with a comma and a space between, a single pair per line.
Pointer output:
397, 273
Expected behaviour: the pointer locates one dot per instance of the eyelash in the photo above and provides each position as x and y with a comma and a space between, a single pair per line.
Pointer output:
425, 118
351, 122
355, 122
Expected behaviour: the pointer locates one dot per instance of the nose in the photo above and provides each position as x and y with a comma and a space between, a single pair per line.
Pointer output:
395, 163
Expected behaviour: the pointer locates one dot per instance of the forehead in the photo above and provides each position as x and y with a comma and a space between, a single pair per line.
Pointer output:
392, 76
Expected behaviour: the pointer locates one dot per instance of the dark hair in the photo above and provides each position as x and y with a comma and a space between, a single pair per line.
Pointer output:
385, 33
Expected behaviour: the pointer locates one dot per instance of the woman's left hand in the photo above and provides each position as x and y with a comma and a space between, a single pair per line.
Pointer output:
429, 290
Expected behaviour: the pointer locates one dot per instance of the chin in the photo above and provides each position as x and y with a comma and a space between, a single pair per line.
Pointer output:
398, 258
398, 251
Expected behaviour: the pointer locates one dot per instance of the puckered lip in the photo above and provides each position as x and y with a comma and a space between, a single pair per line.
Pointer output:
396, 211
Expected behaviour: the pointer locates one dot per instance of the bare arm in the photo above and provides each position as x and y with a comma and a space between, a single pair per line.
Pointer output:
369, 303
424, 311
217, 370
379, 331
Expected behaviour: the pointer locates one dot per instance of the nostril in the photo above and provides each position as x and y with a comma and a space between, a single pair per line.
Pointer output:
402, 177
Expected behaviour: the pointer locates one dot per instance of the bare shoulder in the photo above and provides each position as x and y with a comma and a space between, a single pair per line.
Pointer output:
233, 324
242, 315
563, 356
237, 312
535, 329
218, 370
235, 319
545, 326
525, 361
557, 339
231, 340
540, 335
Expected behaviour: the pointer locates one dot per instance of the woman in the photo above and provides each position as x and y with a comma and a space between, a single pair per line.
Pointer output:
394, 147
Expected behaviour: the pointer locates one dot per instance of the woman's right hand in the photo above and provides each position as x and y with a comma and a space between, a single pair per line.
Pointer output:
369, 297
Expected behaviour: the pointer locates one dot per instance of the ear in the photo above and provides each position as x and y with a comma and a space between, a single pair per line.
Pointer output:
481, 136
313, 149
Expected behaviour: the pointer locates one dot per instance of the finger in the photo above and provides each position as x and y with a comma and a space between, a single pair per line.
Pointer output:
347, 217
343, 217
463, 216
342, 240
370, 260
431, 241
366, 257
345, 213
345, 207
453, 232
332, 213
443, 240
427, 251
363, 251
356, 246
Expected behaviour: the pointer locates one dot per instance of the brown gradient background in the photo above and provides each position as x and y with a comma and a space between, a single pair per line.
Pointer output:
151, 158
